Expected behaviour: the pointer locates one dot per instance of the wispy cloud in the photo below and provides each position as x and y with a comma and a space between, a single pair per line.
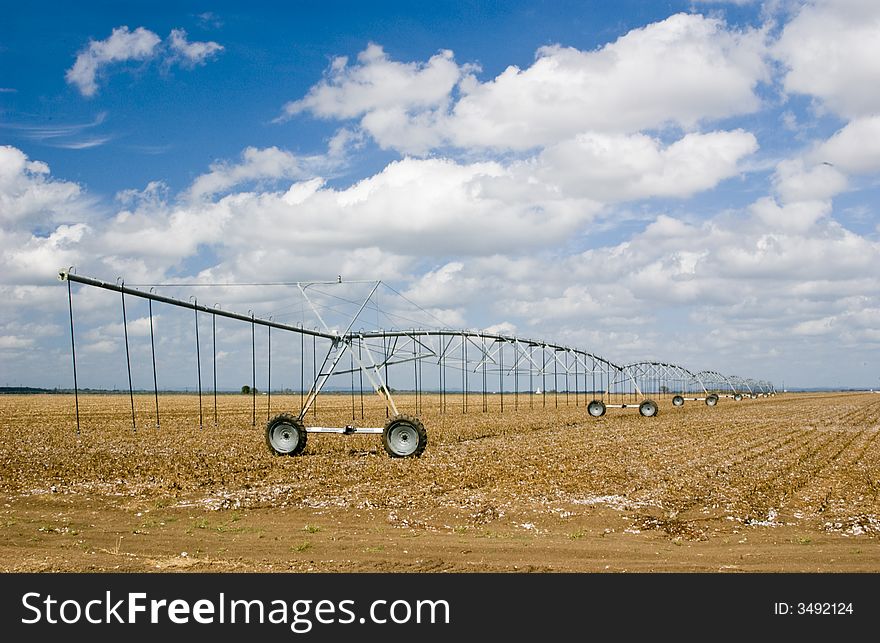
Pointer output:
151, 149
209, 20
8, 90
84, 144
55, 130
63, 135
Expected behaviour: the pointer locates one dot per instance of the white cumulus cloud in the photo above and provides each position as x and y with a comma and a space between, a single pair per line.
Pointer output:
830, 51
855, 148
28, 195
796, 180
400, 103
191, 53
124, 45
256, 165
684, 70
611, 168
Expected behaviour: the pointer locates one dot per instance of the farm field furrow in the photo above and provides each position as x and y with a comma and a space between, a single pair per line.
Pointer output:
710, 472
843, 495
771, 491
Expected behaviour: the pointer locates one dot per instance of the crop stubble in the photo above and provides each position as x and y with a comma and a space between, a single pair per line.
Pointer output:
806, 466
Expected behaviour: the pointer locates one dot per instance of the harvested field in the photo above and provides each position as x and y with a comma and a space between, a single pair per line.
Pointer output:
788, 483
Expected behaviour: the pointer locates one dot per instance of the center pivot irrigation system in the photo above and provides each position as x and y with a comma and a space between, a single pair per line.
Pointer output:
462, 364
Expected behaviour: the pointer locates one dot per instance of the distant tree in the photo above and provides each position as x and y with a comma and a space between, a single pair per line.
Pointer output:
664, 388
246, 390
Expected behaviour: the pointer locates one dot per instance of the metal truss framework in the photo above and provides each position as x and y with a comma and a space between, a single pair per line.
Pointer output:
463, 363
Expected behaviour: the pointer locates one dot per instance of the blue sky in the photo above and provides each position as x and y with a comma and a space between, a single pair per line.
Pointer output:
686, 181
168, 119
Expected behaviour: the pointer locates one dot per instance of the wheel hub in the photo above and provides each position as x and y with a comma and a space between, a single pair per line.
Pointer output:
403, 439
284, 439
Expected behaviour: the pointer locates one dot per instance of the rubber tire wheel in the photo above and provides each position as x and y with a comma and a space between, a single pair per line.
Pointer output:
399, 421
596, 408
711, 400
678, 400
295, 425
649, 408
